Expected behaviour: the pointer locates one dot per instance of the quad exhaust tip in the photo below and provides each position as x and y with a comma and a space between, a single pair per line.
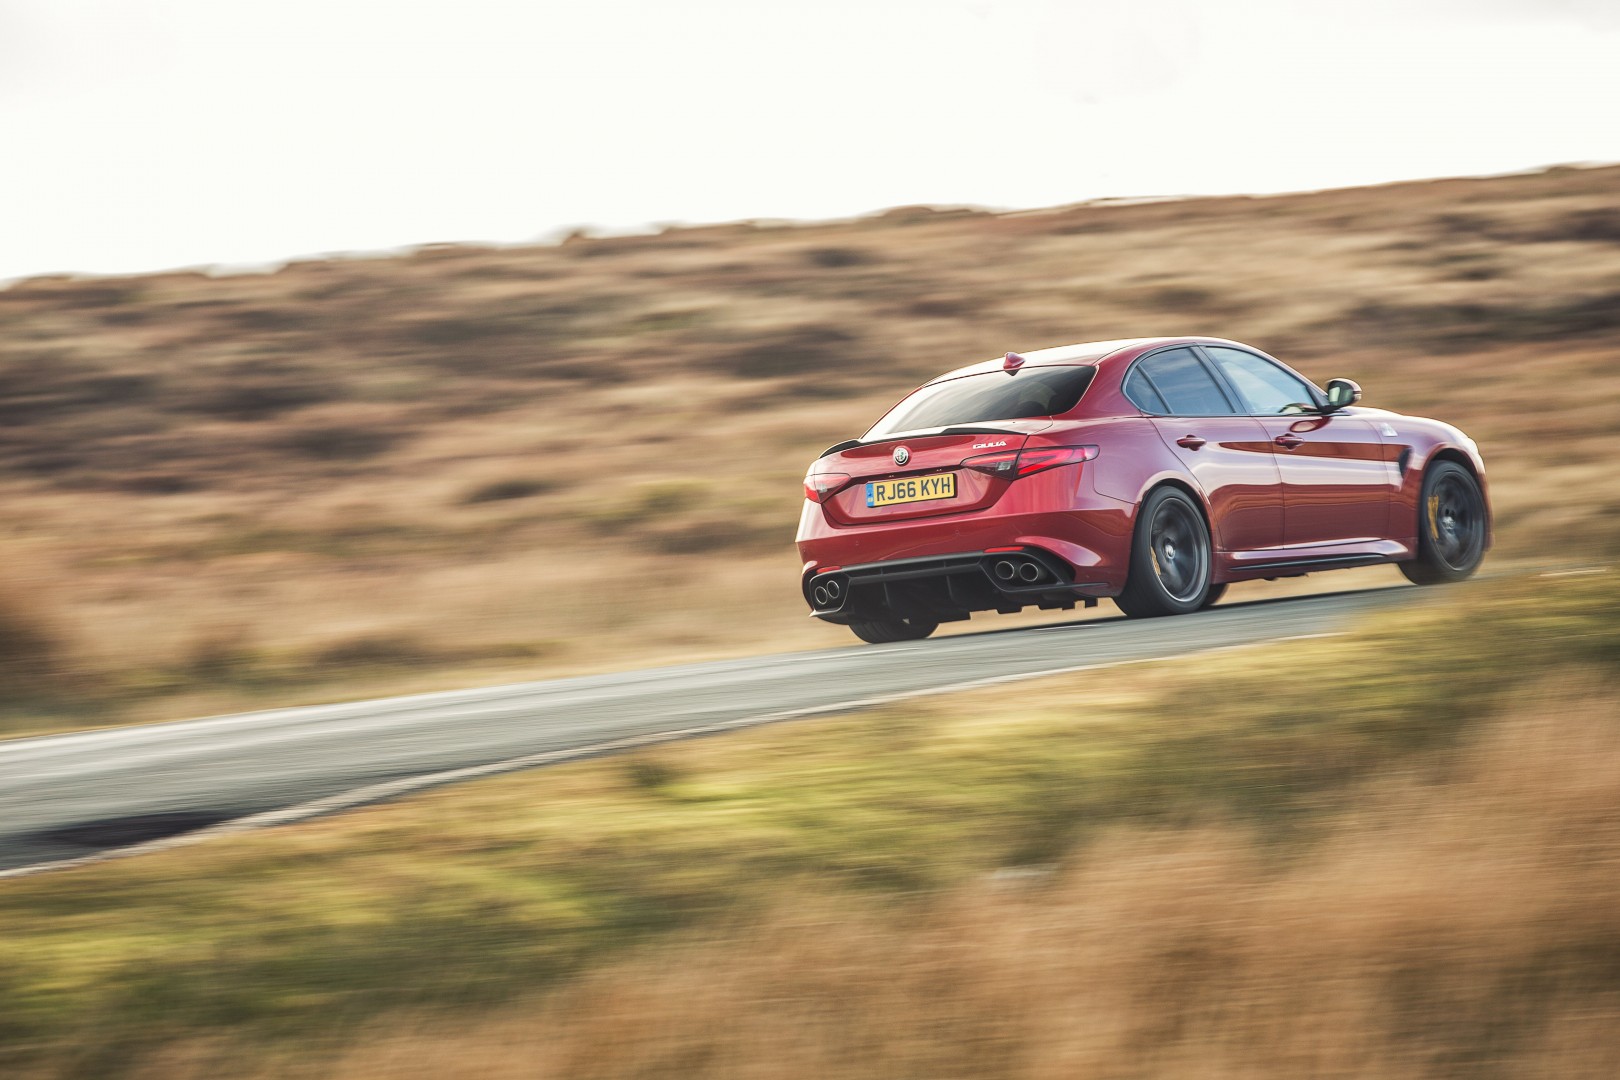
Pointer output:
1010, 572
827, 594
1018, 570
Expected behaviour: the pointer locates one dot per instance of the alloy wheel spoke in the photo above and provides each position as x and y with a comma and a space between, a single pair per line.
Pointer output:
1177, 552
1458, 525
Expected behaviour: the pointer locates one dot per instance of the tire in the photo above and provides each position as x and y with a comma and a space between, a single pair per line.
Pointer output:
1170, 558
1451, 527
883, 631
1214, 595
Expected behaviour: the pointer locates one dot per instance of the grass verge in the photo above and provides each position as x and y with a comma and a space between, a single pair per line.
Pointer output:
837, 860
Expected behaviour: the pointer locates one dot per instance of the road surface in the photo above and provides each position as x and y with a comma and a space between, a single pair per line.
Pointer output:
66, 797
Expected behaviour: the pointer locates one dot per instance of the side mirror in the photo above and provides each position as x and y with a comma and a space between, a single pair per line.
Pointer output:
1341, 393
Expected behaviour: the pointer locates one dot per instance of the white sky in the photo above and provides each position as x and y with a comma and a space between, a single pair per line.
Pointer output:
143, 134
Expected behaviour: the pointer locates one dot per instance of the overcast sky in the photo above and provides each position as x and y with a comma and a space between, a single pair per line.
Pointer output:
144, 134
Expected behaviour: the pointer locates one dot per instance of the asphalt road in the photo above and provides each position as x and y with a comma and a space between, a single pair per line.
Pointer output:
64, 797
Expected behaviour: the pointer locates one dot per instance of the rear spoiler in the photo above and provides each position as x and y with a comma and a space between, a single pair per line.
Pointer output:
920, 433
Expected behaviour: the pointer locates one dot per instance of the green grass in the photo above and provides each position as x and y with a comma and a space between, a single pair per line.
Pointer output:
471, 896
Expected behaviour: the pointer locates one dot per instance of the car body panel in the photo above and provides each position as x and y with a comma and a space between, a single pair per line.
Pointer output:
924, 455
1231, 461
1338, 478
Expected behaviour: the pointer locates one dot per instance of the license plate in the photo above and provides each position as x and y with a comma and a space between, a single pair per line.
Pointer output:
911, 489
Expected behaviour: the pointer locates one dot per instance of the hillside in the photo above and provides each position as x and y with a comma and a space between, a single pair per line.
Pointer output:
472, 464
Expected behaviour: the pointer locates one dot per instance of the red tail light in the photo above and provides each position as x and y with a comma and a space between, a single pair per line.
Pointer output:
819, 487
1013, 464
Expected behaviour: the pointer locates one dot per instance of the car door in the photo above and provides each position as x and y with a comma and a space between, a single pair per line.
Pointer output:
1337, 484
1228, 455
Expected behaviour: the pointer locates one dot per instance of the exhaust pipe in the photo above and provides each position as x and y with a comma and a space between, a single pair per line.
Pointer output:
1005, 570
1029, 571
828, 593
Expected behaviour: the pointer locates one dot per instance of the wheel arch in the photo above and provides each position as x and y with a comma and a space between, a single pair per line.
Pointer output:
1452, 453
1190, 491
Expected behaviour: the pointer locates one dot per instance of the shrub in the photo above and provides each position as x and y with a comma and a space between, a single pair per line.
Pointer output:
257, 399
1462, 324
650, 774
335, 442
251, 392
512, 488
803, 350
158, 483
943, 307
708, 534
29, 649
222, 654
372, 650
270, 320
1587, 226
837, 258
1180, 297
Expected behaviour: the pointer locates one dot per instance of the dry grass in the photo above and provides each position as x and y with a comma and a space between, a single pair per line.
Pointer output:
530, 461
28, 646
1389, 853
1465, 922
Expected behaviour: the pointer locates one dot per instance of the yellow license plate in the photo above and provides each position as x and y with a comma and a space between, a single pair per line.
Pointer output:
911, 489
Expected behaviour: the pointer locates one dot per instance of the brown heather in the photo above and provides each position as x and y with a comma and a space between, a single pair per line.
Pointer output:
1392, 854
1395, 853
528, 461
1459, 923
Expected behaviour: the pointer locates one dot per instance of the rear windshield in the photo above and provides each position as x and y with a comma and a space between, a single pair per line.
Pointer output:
990, 395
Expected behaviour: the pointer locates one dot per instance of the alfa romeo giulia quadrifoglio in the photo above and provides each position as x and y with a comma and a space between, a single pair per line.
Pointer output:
1154, 471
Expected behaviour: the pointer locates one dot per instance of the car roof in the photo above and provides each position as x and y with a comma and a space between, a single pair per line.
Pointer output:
1086, 352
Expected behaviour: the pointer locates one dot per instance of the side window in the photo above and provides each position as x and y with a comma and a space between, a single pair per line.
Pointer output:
1142, 394
1181, 382
1266, 388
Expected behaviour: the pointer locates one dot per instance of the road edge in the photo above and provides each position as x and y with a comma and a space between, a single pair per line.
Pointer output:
372, 794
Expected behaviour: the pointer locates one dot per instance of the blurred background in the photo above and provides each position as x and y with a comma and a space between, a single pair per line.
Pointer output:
354, 349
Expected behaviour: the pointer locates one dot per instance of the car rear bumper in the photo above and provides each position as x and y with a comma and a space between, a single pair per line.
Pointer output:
948, 587
1086, 549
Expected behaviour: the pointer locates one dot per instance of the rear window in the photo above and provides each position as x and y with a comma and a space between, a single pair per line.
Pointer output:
990, 395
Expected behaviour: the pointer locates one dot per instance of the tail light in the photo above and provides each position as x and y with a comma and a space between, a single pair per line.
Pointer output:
819, 487
1013, 464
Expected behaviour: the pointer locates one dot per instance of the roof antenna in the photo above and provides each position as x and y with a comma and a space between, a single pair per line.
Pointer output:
1012, 363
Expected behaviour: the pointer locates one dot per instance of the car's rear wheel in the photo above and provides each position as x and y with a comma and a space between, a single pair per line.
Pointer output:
1170, 558
1451, 526
883, 631
1214, 595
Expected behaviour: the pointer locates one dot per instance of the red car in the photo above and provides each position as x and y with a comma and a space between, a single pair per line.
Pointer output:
1154, 471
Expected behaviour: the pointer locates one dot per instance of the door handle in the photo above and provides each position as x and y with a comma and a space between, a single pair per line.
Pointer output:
1191, 442
1289, 440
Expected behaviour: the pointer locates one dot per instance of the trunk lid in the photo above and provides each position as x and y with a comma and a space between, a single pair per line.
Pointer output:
930, 457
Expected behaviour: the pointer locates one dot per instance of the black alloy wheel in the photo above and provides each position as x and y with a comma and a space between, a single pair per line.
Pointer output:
1170, 558
1451, 526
